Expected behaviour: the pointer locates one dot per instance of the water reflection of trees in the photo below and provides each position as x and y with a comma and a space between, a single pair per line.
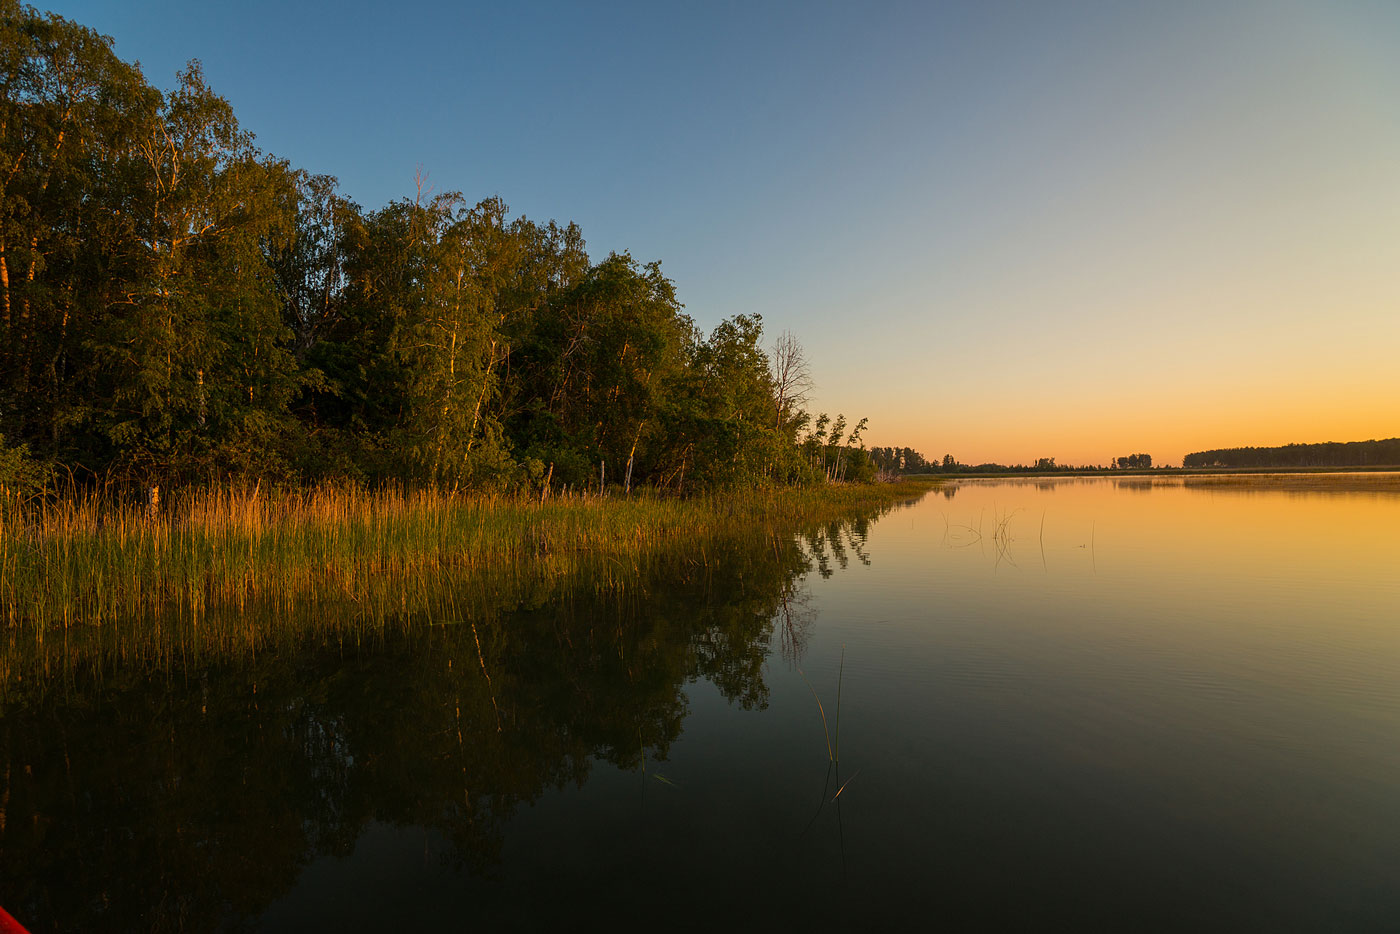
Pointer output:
796, 617
187, 789
835, 543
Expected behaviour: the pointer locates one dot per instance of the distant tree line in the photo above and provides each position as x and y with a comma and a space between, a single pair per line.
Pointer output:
950, 464
901, 460
897, 460
1327, 454
1041, 465
176, 304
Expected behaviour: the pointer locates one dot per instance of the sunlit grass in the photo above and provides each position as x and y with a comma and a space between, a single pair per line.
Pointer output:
224, 568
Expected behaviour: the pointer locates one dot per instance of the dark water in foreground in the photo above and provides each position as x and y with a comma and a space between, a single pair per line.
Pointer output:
1079, 703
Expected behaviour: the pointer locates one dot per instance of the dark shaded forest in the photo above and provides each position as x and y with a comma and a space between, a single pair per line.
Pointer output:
178, 306
1327, 454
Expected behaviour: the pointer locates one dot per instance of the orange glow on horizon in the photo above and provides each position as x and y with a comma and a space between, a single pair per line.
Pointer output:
1118, 427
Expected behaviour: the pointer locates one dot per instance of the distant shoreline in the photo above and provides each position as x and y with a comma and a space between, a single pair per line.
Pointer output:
1383, 480
1152, 472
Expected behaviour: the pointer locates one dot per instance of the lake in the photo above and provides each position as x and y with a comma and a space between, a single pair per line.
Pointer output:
1131, 703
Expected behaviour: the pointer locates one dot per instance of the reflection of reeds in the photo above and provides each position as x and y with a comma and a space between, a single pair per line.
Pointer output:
840, 676
822, 710
833, 753
1001, 537
843, 786
1000, 534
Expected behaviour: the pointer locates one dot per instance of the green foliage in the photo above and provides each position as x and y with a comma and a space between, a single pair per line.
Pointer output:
19, 472
898, 460
176, 306
67, 107
594, 374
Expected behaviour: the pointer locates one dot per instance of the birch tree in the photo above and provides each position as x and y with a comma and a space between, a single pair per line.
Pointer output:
195, 350
65, 101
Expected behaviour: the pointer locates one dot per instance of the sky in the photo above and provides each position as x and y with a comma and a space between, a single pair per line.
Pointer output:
1002, 231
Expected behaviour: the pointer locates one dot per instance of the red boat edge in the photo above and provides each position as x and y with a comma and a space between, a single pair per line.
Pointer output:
8, 925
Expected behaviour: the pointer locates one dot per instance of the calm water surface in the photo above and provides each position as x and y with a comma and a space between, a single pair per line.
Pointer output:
1108, 704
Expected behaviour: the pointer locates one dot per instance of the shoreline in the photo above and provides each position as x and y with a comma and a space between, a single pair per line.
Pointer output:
91, 563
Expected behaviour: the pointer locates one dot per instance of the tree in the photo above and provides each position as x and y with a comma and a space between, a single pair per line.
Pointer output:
597, 368
725, 412
791, 377
843, 456
66, 115
308, 263
175, 303
195, 351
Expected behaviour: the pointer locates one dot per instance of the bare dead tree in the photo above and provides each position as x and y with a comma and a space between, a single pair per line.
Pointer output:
792, 375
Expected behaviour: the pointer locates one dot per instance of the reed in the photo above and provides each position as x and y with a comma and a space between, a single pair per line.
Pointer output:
830, 753
227, 561
833, 751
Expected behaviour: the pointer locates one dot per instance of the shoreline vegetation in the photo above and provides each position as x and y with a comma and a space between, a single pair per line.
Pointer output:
92, 578
1290, 480
179, 308
228, 392
1327, 456
973, 473
235, 403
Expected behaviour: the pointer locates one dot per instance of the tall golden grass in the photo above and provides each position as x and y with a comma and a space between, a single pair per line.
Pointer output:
235, 564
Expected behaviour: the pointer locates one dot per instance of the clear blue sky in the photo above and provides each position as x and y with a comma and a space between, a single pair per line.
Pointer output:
1002, 230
